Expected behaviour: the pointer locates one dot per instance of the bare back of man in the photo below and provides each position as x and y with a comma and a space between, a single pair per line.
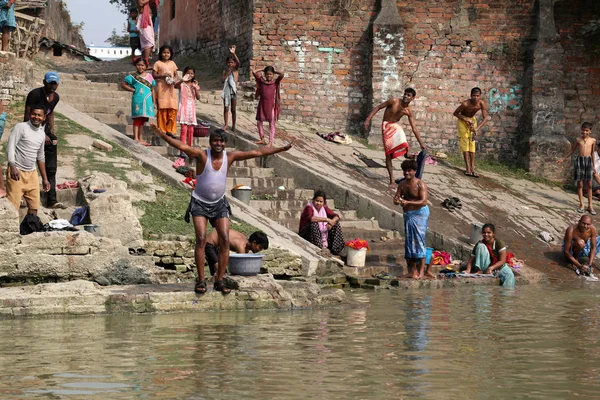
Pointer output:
237, 240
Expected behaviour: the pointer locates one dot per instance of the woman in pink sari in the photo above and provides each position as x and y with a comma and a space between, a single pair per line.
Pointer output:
146, 29
321, 226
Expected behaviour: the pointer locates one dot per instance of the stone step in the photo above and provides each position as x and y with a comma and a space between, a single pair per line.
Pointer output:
289, 205
253, 172
364, 224
286, 194
112, 119
261, 182
371, 269
351, 233
121, 98
282, 215
107, 108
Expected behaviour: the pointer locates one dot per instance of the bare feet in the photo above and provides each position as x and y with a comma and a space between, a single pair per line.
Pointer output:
270, 144
233, 128
2, 193
261, 141
224, 127
429, 275
407, 275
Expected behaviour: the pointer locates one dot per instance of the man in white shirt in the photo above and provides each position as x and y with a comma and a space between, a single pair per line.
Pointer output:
25, 149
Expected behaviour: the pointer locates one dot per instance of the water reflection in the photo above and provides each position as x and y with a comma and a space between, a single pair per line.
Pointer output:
536, 342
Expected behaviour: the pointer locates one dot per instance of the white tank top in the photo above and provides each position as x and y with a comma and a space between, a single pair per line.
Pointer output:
210, 184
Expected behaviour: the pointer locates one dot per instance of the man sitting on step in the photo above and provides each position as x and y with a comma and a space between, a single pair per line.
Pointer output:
238, 242
208, 202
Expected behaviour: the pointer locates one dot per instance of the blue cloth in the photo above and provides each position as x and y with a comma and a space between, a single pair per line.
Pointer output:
585, 252
2, 123
133, 27
142, 105
7, 17
483, 262
421, 163
415, 229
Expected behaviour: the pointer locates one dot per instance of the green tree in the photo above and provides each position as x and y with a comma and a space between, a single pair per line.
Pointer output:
124, 5
118, 40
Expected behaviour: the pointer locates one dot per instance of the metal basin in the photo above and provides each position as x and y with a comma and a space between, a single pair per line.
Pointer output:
245, 264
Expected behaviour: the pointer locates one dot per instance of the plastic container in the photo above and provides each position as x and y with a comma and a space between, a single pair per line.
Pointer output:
475, 232
200, 131
356, 258
245, 264
242, 195
428, 254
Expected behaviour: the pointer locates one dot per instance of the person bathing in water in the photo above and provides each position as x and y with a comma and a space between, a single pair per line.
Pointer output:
412, 196
394, 139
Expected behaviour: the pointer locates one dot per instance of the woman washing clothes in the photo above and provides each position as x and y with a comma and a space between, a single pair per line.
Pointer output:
321, 226
489, 256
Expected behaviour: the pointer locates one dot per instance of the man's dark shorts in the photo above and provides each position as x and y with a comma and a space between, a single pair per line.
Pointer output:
134, 43
212, 257
211, 211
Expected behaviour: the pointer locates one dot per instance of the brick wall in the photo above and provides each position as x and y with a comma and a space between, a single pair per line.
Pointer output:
15, 74
323, 46
59, 25
582, 71
209, 27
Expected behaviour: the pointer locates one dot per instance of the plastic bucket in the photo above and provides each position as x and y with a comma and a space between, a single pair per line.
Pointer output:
242, 195
245, 264
428, 254
475, 232
356, 258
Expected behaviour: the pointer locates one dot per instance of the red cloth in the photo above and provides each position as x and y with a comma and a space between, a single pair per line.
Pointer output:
491, 251
308, 213
269, 98
147, 15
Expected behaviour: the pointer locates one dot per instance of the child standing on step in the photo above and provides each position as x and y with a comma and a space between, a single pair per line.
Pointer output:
141, 84
267, 90
230, 81
189, 92
584, 165
134, 33
165, 73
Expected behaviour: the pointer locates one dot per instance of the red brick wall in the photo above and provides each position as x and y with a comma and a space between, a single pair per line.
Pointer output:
455, 45
582, 71
324, 51
209, 27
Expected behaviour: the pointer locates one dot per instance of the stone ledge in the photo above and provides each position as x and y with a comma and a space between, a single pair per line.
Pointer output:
83, 297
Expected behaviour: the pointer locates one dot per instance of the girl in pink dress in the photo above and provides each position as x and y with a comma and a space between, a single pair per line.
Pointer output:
189, 92
267, 90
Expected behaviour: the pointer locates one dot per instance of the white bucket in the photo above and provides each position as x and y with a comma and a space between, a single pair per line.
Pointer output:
475, 232
355, 258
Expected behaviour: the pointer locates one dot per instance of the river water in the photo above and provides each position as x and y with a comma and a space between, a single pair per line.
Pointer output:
538, 342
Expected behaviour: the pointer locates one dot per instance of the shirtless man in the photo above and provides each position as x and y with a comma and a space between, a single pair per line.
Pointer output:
468, 128
412, 196
585, 165
580, 245
238, 242
208, 202
394, 139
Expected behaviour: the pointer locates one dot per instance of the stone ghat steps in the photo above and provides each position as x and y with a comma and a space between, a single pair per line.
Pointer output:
294, 215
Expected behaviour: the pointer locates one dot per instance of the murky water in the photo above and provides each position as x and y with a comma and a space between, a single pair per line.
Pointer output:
539, 342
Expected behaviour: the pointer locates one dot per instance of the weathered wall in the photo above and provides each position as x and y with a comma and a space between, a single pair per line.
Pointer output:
323, 47
582, 71
209, 27
14, 75
341, 58
59, 25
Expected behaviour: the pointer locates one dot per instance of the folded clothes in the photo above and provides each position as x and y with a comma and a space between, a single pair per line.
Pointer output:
68, 185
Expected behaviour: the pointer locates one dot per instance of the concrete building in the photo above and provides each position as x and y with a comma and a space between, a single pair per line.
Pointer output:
343, 57
109, 53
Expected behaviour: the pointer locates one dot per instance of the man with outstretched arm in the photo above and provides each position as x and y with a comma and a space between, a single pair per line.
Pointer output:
208, 202
394, 139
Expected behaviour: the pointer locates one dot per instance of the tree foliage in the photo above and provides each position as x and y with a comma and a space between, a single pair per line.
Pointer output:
118, 40
124, 5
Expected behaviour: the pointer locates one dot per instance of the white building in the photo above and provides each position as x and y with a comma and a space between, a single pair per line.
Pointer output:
109, 53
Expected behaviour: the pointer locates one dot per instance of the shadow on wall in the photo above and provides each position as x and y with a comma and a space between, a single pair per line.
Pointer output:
360, 89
